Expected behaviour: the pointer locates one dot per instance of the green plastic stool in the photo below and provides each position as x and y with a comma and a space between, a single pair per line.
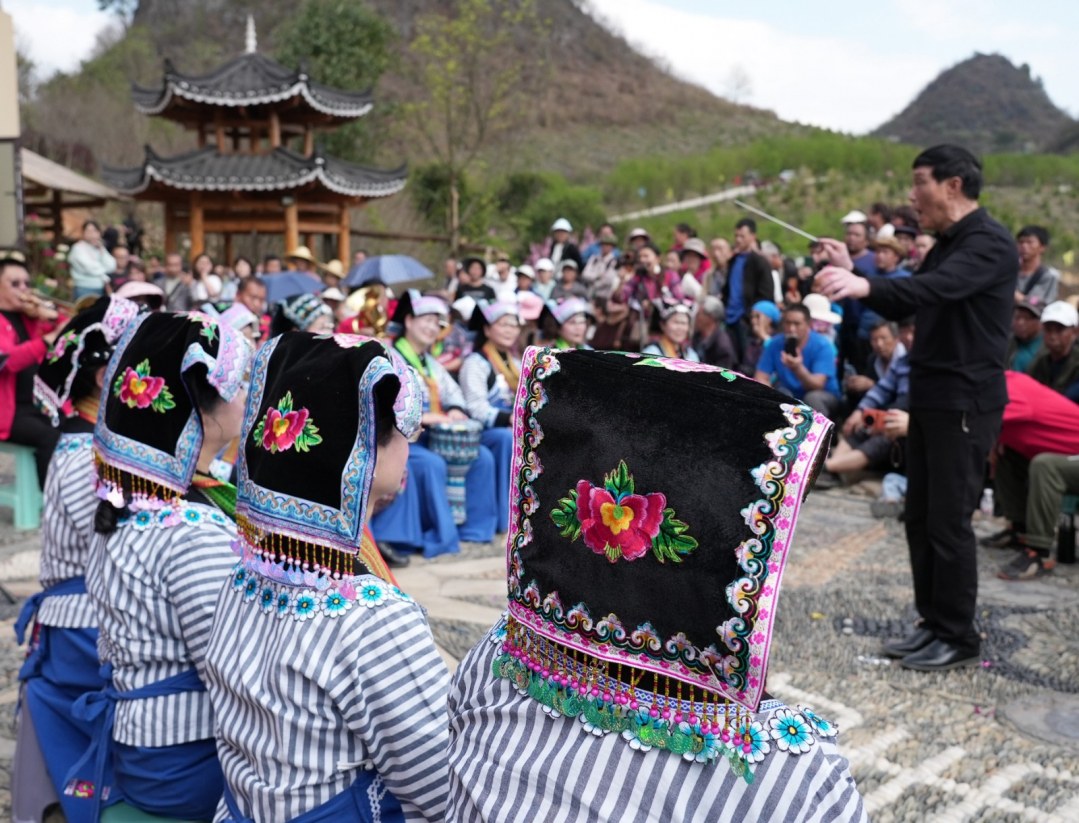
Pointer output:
24, 495
123, 813
1070, 504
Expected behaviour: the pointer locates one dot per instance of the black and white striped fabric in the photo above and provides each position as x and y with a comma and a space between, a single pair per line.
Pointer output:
449, 392
305, 700
484, 401
67, 530
507, 755
155, 590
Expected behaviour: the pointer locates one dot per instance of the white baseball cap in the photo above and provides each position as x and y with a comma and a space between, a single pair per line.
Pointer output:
820, 308
854, 217
545, 264
526, 270
561, 224
1061, 312
464, 306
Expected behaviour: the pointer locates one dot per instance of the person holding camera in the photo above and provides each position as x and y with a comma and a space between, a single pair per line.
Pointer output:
962, 295
801, 363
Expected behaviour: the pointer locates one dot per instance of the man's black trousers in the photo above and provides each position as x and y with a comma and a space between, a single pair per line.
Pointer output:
946, 454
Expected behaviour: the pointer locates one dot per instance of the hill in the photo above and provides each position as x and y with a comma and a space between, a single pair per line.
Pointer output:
605, 101
985, 103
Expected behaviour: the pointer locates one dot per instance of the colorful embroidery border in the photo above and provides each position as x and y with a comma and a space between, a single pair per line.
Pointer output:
762, 557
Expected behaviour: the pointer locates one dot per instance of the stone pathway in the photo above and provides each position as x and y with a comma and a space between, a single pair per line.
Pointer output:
987, 745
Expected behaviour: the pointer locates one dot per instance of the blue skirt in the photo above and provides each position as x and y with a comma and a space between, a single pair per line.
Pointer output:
500, 442
420, 518
184, 781
69, 668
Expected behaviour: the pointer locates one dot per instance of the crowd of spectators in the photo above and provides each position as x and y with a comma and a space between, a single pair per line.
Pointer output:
736, 303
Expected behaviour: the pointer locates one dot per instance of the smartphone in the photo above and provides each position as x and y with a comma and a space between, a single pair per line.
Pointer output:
790, 346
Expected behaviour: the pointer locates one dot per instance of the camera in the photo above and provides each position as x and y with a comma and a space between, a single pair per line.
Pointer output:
873, 420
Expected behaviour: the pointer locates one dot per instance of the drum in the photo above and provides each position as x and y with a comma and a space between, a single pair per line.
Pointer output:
458, 444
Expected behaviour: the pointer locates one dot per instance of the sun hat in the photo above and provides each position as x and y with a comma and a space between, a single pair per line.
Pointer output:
820, 308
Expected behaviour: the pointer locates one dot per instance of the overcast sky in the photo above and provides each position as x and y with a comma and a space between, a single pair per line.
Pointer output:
843, 65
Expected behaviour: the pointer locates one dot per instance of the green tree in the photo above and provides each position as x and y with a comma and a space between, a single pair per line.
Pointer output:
344, 44
470, 83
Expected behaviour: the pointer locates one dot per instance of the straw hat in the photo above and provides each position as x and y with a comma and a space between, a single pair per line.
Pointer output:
335, 268
889, 243
302, 253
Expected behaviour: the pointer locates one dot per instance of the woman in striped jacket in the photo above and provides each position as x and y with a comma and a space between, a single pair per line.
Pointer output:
62, 662
329, 693
176, 388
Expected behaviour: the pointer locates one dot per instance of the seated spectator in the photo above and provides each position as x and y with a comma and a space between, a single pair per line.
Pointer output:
887, 349
618, 324
804, 368
880, 221
672, 261
594, 248
1051, 477
27, 330
1038, 422
825, 317
868, 447
923, 244
893, 494
1038, 283
652, 283
1057, 364
305, 312
568, 284
544, 284
1026, 339
147, 296
470, 281
562, 246
526, 276
764, 320
710, 339
887, 255
123, 264
601, 271
905, 216
670, 321
638, 238
565, 325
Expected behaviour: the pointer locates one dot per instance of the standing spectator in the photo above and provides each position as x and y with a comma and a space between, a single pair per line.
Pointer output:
887, 255
774, 257
963, 297
1037, 282
1026, 337
907, 237
710, 339
26, 332
271, 264
251, 292
880, 221
544, 284
123, 266
905, 215
501, 279
1057, 364
561, 246
749, 281
601, 271
594, 248
450, 268
638, 237
207, 285
358, 257
568, 285
241, 269
857, 240
682, 233
91, 263
716, 277
694, 259
470, 281
923, 244
180, 285
809, 373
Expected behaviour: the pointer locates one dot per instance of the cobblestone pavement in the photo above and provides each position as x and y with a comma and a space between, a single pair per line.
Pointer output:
921, 747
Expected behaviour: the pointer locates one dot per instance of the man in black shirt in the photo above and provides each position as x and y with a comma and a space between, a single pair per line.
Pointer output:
470, 281
962, 296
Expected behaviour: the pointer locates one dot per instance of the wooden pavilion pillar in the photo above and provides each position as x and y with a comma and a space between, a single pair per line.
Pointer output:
344, 237
57, 217
170, 228
275, 130
198, 235
292, 227
308, 140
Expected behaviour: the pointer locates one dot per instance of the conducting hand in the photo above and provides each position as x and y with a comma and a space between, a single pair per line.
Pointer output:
837, 253
836, 283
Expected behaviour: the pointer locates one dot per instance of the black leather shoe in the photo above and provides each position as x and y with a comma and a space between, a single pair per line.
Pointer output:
939, 656
394, 559
909, 644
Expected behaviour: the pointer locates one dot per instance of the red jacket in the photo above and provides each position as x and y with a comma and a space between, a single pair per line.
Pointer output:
1038, 419
20, 356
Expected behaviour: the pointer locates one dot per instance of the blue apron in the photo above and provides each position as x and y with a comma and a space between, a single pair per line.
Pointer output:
367, 800
100, 708
36, 656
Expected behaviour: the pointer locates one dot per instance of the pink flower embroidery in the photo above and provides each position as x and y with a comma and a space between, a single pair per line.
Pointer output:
138, 389
618, 523
284, 427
